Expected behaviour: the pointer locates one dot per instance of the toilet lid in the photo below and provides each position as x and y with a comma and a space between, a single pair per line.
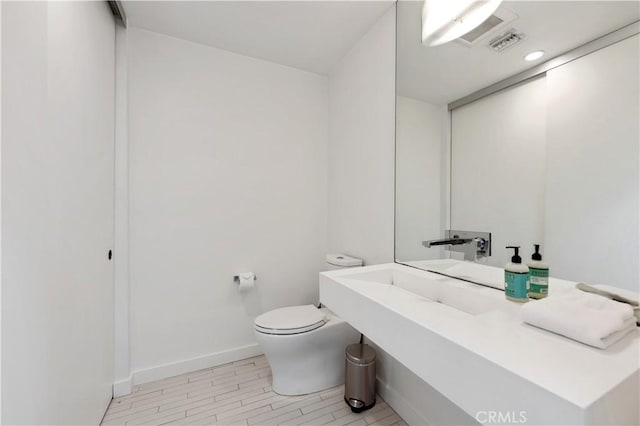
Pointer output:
290, 320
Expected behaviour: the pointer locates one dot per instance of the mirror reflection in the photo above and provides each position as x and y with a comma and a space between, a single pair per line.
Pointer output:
496, 148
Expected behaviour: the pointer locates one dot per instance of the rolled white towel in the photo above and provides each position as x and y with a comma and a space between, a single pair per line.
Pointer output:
584, 317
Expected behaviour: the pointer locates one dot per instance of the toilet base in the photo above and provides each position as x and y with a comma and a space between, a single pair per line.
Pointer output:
308, 362
357, 408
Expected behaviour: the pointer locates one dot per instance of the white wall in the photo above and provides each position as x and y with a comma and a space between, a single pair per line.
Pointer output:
498, 169
228, 173
419, 141
57, 211
0, 210
361, 151
592, 209
121, 293
361, 176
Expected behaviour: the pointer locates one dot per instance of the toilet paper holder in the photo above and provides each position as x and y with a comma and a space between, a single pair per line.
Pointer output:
236, 278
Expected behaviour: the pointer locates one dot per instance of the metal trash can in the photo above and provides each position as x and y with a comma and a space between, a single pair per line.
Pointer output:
360, 377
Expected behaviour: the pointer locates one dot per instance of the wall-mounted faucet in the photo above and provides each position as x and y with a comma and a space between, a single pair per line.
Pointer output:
474, 245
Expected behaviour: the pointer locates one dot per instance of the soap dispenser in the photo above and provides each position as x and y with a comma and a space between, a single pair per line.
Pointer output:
538, 275
516, 278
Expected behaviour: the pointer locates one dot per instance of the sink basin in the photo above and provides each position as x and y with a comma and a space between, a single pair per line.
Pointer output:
466, 297
467, 341
484, 274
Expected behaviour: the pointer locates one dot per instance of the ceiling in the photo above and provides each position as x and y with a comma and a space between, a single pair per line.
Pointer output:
442, 74
309, 35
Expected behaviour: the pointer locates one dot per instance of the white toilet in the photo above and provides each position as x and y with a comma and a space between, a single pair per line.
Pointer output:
305, 345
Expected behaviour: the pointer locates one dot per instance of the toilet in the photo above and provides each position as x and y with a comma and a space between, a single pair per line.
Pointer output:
304, 344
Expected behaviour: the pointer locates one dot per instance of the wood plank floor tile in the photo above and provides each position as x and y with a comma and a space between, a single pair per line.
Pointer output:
374, 417
297, 403
320, 412
215, 391
215, 408
274, 417
387, 421
359, 422
158, 419
123, 417
136, 396
326, 405
237, 393
318, 420
193, 420
241, 417
159, 400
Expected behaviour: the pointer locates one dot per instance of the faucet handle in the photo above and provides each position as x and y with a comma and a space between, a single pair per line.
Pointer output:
481, 243
483, 246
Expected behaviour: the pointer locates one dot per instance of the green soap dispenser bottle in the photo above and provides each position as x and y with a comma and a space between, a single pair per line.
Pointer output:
538, 275
516, 278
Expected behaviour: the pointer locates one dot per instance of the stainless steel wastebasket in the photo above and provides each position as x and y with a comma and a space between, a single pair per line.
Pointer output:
360, 377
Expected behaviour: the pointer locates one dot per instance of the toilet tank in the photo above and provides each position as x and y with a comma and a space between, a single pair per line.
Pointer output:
342, 261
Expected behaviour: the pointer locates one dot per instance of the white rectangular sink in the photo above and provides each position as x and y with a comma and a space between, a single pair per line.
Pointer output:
468, 342
460, 295
484, 274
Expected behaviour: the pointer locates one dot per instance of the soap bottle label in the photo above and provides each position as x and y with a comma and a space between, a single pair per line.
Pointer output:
539, 281
516, 285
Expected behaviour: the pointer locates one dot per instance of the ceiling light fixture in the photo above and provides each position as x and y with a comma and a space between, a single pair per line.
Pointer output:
446, 20
534, 55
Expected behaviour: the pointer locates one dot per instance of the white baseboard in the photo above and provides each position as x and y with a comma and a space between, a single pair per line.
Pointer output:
123, 387
185, 366
198, 363
400, 405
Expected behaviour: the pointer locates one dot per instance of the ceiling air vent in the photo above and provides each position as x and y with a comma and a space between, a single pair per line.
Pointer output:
493, 25
508, 39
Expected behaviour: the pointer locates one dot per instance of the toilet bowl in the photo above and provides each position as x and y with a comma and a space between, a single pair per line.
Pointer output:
305, 345
305, 348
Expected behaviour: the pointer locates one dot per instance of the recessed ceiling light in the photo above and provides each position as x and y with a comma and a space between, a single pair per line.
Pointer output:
534, 55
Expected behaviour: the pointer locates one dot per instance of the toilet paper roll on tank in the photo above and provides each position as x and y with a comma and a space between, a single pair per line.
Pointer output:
246, 281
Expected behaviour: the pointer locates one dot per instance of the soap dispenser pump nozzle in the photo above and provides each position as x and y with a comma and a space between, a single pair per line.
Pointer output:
515, 258
536, 255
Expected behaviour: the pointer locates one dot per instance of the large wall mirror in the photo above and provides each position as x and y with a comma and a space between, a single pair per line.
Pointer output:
533, 152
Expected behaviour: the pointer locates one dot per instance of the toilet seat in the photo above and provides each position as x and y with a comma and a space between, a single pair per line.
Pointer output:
290, 320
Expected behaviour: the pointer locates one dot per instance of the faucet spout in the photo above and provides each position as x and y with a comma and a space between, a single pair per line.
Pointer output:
474, 245
447, 242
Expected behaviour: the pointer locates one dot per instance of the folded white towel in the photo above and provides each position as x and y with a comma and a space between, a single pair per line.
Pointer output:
585, 317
